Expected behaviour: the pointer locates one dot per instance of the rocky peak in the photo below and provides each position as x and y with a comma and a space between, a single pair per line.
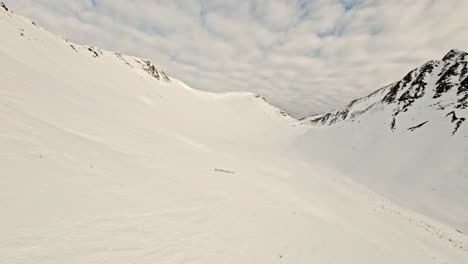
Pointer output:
455, 54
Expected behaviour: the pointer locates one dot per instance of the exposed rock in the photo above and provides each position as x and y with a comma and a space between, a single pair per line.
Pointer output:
417, 126
4, 6
458, 121
445, 83
153, 71
95, 51
165, 77
73, 47
455, 54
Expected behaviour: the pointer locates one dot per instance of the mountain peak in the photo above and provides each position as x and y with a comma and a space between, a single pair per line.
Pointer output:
437, 89
455, 54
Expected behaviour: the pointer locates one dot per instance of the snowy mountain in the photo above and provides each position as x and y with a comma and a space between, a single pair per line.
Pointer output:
106, 159
408, 140
437, 87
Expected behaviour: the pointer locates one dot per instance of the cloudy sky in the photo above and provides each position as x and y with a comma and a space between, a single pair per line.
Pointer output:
305, 56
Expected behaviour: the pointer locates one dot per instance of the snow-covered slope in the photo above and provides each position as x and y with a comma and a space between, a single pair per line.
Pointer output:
101, 161
408, 140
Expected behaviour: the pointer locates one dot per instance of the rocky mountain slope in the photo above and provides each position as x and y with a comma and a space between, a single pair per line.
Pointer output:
437, 87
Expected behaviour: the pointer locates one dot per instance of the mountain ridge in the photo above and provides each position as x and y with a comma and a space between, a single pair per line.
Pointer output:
436, 79
142, 66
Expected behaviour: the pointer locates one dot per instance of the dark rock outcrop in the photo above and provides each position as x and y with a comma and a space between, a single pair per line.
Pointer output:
2, 5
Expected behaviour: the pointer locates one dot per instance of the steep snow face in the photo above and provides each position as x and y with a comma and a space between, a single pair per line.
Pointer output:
408, 140
101, 161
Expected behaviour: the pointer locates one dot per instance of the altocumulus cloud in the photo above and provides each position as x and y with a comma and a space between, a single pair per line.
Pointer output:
306, 56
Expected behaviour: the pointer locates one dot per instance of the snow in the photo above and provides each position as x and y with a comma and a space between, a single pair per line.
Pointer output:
100, 162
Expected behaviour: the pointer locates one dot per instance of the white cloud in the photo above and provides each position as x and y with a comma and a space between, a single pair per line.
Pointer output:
305, 56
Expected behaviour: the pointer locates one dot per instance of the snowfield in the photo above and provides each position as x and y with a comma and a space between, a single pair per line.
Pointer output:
106, 159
